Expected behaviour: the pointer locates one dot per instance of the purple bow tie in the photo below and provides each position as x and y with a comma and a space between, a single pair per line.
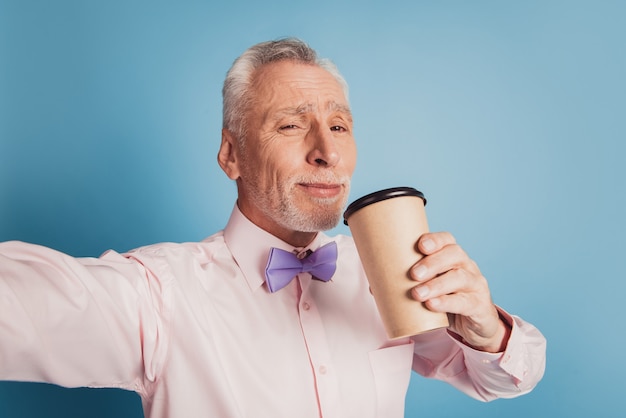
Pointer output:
283, 266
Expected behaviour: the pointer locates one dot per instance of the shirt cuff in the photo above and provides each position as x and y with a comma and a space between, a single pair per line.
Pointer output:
506, 360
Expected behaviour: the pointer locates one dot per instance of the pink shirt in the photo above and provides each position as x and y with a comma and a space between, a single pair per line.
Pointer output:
193, 329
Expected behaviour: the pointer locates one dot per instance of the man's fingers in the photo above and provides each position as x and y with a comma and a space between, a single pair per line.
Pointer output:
431, 242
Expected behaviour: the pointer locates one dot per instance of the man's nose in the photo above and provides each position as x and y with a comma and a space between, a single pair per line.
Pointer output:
324, 151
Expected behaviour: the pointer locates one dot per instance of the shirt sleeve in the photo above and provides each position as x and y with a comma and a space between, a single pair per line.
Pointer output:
95, 322
484, 376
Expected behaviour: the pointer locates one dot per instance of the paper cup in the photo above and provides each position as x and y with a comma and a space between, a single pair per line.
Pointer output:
386, 226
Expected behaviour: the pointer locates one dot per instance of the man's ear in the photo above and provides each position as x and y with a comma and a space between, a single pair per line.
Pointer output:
228, 155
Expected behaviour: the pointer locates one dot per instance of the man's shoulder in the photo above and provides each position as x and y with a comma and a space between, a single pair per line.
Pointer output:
194, 249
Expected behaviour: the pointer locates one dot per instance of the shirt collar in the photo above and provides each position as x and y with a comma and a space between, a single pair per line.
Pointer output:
250, 246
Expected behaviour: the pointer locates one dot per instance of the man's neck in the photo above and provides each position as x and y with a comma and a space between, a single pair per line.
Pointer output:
296, 238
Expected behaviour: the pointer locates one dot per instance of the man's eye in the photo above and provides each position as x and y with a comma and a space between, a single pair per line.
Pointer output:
338, 128
287, 128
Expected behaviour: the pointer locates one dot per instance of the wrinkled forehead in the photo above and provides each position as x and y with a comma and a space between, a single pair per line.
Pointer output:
289, 88
283, 75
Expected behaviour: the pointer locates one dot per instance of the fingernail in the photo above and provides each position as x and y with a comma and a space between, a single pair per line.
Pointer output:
420, 272
422, 291
428, 245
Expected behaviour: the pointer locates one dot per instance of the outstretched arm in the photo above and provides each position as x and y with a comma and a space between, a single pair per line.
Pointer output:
77, 321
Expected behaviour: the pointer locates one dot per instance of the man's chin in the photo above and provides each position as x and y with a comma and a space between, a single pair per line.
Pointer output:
325, 226
318, 220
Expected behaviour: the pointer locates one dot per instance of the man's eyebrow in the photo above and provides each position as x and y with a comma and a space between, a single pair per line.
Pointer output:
293, 111
310, 107
339, 107
304, 108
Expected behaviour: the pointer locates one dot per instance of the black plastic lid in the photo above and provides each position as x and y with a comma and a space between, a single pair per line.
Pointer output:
379, 196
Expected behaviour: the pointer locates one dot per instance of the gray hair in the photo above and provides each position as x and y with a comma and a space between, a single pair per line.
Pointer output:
236, 92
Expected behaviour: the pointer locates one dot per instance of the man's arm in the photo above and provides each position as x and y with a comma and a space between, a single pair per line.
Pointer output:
77, 322
485, 376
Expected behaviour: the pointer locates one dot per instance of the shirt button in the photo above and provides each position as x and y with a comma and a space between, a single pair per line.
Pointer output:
306, 306
323, 370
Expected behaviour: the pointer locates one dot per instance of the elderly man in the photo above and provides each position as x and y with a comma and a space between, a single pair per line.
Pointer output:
198, 330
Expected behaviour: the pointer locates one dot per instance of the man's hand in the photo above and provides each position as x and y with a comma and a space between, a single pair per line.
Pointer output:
449, 281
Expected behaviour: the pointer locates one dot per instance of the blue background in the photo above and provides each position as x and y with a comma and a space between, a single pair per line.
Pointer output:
509, 116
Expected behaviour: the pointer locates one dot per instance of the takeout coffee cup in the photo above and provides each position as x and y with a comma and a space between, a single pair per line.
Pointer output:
386, 226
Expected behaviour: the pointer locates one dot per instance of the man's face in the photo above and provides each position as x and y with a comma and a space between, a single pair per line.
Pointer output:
299, 153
